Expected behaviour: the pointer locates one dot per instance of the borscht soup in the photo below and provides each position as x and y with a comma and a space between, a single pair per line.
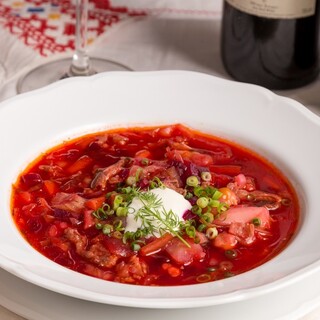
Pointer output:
155, 206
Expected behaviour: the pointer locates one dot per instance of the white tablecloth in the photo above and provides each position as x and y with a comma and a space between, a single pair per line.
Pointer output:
174, 34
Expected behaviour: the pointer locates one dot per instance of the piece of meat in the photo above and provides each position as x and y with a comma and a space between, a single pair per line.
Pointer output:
243, 231
225, 241
97, 272
77, 239
102, 176
70, 202
97, 253
132, 271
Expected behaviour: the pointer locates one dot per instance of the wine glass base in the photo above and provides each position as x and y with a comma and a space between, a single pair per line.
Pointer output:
56, 70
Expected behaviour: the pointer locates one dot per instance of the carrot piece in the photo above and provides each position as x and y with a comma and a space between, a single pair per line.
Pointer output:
172, 271
156, 245
95, 203
50, 186
84, 143
79, 164
228, 196
25, 197
88, 219
48, 218
143, 154
52, 231
166, 266
231, 170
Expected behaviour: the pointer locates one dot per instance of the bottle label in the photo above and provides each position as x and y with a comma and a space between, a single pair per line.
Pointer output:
277, 9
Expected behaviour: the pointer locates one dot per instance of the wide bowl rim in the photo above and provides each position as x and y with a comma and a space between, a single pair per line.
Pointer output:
15, 263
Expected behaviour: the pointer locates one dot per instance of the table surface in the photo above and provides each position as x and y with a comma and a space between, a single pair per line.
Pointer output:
147, 35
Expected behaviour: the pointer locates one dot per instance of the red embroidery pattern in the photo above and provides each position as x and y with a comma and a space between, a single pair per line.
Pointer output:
48, 27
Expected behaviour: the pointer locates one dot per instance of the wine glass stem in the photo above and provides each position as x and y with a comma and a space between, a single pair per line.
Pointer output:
80, 65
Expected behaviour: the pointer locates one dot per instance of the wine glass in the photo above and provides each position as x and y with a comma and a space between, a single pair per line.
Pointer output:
80, 64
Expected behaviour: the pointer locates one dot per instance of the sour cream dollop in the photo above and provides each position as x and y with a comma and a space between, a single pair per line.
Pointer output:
170, 200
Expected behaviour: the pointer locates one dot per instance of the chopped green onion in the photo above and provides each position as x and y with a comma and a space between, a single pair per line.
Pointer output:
203, 277
192, 181
98, 225
138, 234
196, 209
228, 274
191, 231
188, 196
211, 233
117, 225
117, 234
128, 235
102, 212
226, 265
212, 269
135, 246
126, 190
107, 229
117, 201
145, 161
108, 195
199, 191
122, 211
156, 183
201, 227
206, 176
214, 203
131, 181
216, 195
231, 254
208, 217
256, 222
138, 172
222, 207
286, 202
202, 202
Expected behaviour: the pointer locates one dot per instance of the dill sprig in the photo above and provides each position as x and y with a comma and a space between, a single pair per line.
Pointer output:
153, 211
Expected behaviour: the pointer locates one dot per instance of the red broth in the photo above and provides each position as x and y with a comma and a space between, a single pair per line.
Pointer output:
72, 205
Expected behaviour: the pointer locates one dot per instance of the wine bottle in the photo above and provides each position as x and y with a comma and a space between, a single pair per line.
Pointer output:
272, 43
